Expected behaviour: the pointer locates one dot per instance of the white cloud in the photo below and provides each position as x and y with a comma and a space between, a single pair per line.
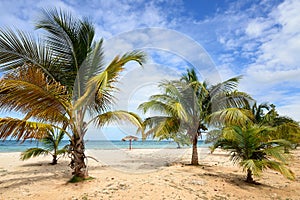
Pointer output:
262, 42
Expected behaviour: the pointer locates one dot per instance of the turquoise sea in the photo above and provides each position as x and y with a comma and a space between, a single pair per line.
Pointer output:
15, 146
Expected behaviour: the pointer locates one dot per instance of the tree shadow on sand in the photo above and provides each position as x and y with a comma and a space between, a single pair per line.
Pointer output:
233, 178
35, 172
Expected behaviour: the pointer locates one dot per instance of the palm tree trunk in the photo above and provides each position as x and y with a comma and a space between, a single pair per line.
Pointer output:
54, 160
78, 158
195, 150
286, 150
249, 176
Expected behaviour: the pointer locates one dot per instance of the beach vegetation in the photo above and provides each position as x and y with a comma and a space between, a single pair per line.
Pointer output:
249, 149
60, 80
283, 127
50, 146
188, 106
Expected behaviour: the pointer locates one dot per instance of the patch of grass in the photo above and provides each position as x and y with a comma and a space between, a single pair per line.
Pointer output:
76, 179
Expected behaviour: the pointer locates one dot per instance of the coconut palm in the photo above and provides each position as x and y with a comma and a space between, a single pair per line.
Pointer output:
249, 150
187, 107
283, 127
60, 81
286, 128
51, 144
179, 108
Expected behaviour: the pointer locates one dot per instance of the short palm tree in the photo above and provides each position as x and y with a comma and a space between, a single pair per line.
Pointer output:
60, 81
51, 144
248, 149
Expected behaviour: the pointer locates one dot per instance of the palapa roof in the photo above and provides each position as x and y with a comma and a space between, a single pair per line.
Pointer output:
130, 137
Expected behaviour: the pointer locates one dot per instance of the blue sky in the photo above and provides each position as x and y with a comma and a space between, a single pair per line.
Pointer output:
259, 39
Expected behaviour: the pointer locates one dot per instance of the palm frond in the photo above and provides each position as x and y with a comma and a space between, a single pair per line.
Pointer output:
29, 91
276, 152
23, 129
62, 151
234, 99
100, 88
161, 127
119, 116
70, 40
33, 152
91, 66
281, 168
231, 116
224, 87
256, 166
18, 49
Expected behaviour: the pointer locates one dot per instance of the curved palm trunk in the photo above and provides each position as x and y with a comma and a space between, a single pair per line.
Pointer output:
78, 158
249, 176
195, 150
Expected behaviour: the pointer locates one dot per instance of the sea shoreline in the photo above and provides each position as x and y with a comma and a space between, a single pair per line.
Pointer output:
17, 146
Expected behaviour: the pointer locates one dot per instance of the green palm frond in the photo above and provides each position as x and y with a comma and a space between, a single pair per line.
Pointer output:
117, 117
234, 99
23, 129
18, 49
33, 152
224, 87
155, 106
50, 141
60, 136
231, 116
91, 66
100, 88
282, 169
275, 152
256, 166
70, 39
62, 151
161, 127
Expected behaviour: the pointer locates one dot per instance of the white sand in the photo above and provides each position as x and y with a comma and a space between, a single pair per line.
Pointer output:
141, 174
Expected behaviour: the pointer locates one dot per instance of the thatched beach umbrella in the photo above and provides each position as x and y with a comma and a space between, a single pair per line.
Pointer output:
130, 138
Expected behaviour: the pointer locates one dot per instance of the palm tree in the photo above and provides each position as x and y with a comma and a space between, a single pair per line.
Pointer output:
287, 129
258, 112
187, 107
179, 108
59, 82
283, 127
252, 152
51, 144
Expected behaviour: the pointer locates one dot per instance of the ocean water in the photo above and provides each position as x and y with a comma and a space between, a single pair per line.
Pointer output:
15, 146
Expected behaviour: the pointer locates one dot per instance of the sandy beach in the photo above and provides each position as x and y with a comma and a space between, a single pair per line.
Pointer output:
142, 174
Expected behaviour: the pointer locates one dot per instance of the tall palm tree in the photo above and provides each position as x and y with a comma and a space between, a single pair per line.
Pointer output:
51, 144
179, 108
188, 106
249, 150
59, 81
